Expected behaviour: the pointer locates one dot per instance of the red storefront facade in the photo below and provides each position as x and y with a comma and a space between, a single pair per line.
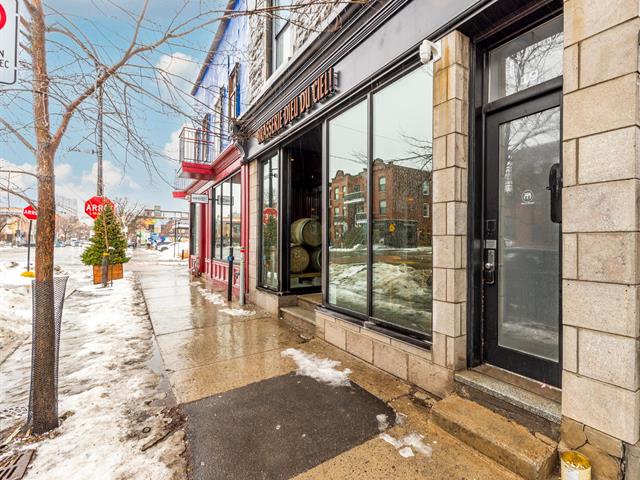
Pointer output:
215, 234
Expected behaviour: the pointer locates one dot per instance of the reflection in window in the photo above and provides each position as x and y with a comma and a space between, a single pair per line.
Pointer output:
382, 184
347, 233
236, 208
530, 59
269, 218
218, 221
215, 241
426, 189
194, 237
225, 227
426, 210
401, 232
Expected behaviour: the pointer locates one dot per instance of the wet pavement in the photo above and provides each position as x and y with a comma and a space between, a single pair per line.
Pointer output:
217, 363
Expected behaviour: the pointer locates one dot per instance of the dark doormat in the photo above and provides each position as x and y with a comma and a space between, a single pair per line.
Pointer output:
277, 428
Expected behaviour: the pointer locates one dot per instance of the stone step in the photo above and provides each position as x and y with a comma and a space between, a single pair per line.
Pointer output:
503, 441
310, 302
523, 402
301, 319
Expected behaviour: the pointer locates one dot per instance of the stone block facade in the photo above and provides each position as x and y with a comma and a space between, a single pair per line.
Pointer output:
450, 150
601, 235
307, 19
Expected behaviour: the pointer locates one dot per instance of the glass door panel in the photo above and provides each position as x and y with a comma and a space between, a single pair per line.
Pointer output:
528, 241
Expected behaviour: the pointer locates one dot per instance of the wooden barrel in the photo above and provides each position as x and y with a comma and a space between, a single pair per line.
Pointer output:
299, 259
315, 263
306, 231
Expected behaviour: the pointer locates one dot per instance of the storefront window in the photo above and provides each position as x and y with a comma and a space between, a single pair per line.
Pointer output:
225, 201
195, 229
218, 221
236, 209
226, 226
215, 251
347, 240
402, 253
399, 166
269, 218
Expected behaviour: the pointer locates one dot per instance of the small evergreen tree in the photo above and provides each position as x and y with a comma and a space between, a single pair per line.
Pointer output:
106, 223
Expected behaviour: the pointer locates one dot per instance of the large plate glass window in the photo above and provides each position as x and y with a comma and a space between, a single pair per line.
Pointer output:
215, 241
236, 209
380, 254
226, 218
347, 219
401, 232
269, 217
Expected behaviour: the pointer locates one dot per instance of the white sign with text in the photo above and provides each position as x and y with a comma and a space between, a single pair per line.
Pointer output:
196, 198
8, 41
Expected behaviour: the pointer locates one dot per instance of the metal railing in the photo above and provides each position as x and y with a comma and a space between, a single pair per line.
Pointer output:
197, 145
354, 197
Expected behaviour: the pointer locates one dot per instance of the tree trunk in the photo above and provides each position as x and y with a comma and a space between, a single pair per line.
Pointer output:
45, 397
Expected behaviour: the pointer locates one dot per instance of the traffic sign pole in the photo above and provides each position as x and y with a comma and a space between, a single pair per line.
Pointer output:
29, 246
30, 214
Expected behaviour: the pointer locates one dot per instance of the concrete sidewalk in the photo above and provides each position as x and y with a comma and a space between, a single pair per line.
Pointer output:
216, 359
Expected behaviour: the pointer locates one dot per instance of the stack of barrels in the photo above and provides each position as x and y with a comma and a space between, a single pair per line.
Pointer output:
306, 250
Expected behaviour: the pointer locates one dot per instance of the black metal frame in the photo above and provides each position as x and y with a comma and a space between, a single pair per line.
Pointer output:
261, 162
226, 179
501, 31
422, 339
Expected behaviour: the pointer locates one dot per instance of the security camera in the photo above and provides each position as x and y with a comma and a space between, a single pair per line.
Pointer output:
429, 52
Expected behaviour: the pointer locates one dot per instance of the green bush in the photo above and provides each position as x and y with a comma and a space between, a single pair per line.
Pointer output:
117, 242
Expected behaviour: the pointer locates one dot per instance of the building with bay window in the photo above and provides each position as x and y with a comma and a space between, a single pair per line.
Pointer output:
453, 187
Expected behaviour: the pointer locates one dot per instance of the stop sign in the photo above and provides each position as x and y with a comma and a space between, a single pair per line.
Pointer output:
93, 207
30, 213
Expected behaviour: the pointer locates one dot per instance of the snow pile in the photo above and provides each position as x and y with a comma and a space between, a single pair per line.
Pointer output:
212, 297
237, 312
15, 308
383, 422
407, 444
106, 389
320, 369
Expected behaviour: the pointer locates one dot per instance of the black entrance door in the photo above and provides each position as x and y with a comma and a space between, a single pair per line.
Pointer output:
522, 239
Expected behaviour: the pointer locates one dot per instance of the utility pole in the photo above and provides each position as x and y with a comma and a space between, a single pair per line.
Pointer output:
100, 186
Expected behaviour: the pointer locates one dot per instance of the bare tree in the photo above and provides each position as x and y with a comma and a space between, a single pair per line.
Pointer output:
128, 211
52, 96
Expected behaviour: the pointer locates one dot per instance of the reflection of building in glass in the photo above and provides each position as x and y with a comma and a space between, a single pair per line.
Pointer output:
399, 215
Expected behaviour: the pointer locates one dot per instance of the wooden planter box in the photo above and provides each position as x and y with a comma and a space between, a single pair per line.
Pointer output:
116, 272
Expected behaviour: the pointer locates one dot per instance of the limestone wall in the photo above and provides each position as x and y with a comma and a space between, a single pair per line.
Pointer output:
601, 234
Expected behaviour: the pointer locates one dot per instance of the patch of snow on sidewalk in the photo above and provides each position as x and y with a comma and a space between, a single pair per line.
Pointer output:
321, 369
407, 444
105, 389
237, 312
212, 297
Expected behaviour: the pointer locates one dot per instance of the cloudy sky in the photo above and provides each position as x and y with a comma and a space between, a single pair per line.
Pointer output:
108, 26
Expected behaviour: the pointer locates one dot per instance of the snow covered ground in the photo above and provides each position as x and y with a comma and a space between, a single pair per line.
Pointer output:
116, 424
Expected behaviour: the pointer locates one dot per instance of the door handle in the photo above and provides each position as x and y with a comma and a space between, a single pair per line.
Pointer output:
555, 190
489, 270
